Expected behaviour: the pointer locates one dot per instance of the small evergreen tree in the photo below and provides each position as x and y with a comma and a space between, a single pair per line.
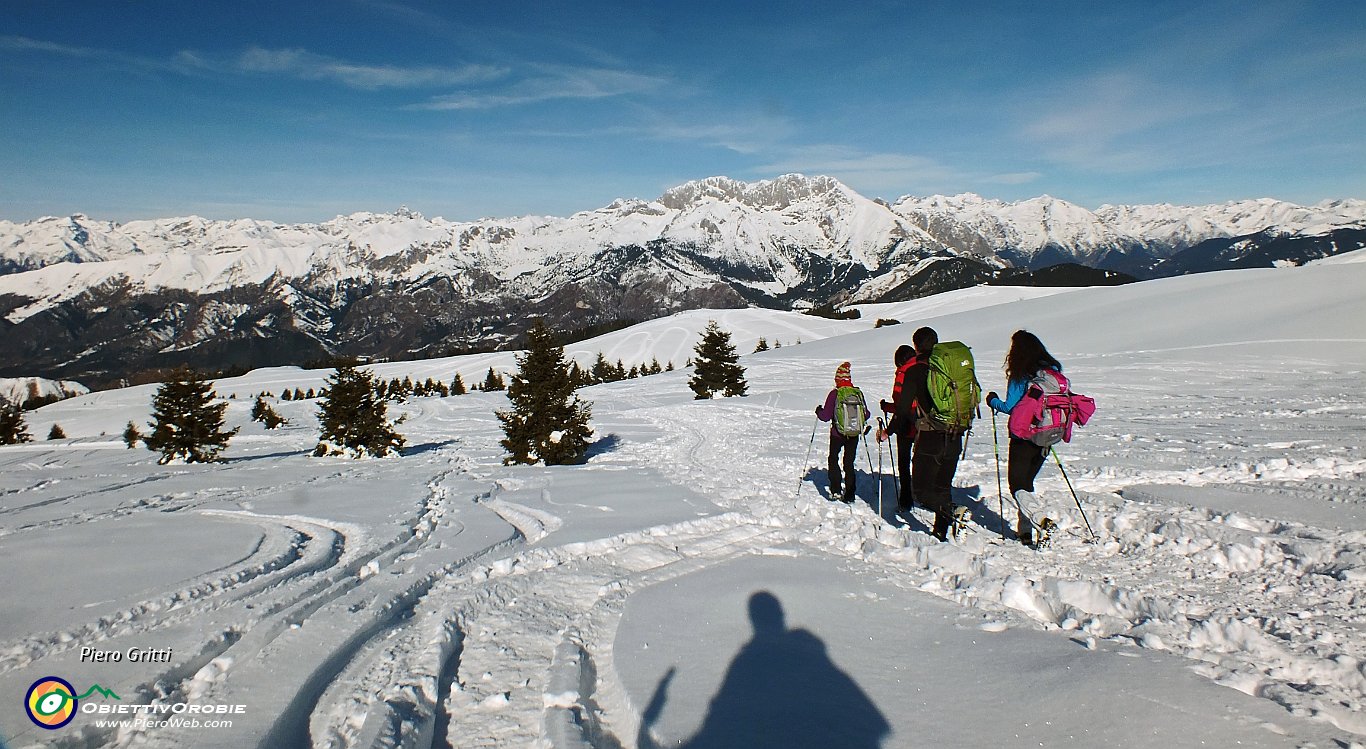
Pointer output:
762, 345
576, 374
131, 435
56, 433
298, 394
457, 385
777, 343
634, 373
716, 367
187, 423
310, 394
262, 412
353, 416
670, 366
547, 422
654, 365
286, 395
13, 430
493, 382
602, 371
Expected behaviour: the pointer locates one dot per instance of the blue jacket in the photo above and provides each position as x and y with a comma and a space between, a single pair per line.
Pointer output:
1015, 390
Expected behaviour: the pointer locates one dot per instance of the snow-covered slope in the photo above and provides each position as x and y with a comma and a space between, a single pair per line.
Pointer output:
678, 587
20, 389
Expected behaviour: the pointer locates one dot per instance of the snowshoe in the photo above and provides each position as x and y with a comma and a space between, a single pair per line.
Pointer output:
961, 516
1043, 534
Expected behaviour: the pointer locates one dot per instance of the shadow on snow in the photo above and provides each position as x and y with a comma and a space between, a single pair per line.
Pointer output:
781, 689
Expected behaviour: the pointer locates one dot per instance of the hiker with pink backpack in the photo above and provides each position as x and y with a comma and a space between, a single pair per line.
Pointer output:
1042, 410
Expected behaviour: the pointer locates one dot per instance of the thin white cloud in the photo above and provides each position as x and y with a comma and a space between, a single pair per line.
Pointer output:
870, 173
25, 44
1119, 122
1012, 178
299, 63
552, 82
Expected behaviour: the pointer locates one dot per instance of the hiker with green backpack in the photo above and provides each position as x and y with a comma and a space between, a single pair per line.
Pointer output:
848, 414
944, 385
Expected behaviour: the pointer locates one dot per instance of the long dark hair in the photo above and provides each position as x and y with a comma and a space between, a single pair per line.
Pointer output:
1027, 356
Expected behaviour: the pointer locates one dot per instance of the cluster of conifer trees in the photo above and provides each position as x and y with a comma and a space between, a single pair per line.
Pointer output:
546, 421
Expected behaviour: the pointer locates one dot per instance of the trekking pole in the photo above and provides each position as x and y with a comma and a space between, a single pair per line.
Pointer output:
805, 463
1094, 537
869, 456
1000, 498
879, 468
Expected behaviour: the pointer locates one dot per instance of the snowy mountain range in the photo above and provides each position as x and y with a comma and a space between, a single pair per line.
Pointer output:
101, 301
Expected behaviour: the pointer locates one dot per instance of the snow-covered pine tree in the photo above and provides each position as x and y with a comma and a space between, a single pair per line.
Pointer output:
547, 422
187, 422
13, 430
716, 367
762, 345
131, 435
457, 385
353, 416
56, 433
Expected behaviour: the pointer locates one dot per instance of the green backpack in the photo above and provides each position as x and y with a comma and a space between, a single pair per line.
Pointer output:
849, 411
953, 386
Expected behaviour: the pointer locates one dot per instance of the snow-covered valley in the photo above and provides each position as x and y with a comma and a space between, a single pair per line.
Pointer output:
443, 598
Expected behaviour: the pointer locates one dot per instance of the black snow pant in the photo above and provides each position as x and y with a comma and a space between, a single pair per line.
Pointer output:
1025, 461
905, 498
933, 463
842, 484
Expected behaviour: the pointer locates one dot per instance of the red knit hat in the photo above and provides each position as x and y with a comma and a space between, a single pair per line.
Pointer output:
842, 375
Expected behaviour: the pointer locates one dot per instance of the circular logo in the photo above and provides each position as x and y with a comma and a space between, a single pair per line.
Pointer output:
50, 702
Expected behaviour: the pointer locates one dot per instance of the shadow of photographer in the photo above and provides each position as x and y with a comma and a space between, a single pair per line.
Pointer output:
781, 690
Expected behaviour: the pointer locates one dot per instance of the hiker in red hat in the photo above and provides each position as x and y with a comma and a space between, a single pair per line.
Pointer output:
848, 415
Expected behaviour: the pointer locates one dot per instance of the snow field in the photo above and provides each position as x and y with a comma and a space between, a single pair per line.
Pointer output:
445, 599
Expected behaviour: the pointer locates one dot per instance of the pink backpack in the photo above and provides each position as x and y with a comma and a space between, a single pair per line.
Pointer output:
1048, 410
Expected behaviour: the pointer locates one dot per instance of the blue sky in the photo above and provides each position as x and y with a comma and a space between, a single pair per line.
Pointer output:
301, 111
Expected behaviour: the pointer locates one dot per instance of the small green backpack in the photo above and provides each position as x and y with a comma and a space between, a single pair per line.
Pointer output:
953, 386
849, 411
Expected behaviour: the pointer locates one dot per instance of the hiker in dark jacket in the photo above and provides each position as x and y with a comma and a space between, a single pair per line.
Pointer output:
934, 458
848, 443
1025, 358
901, 424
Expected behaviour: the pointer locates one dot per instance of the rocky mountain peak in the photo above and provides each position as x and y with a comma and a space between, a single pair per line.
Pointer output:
774, 194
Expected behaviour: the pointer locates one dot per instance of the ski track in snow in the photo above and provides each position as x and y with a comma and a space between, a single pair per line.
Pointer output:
463, 620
